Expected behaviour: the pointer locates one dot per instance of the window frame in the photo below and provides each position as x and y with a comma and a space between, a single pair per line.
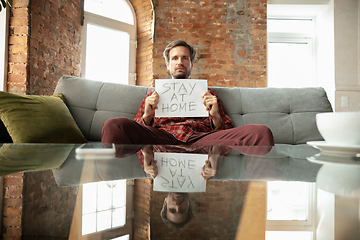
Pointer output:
297, 38
127, 229
101, 21
308, 225
4, 46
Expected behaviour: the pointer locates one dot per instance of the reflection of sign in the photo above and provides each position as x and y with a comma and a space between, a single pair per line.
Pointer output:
179, 172
180, 98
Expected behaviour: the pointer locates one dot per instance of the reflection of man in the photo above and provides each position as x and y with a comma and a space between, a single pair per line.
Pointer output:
217, 129
177, 210
208, 171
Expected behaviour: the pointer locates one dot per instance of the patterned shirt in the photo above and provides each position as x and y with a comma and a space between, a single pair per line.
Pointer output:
183, 127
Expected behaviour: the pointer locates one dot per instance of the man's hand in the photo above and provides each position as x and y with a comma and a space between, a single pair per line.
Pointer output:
211, 165
150, 167
151, 103
210, 168
211, 104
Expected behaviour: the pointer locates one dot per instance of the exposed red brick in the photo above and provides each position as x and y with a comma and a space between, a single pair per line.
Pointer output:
13, 202
13, 212
13, 181
12, 232
12, 221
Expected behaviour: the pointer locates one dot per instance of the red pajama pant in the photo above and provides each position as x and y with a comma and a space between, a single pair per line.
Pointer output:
123, 130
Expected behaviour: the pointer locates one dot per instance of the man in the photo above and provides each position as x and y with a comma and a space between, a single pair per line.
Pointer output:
217, 129
177, 210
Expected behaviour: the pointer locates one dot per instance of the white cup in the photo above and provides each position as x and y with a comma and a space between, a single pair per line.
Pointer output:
340, 128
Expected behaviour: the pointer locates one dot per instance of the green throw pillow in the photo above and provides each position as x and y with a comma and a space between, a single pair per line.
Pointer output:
38, 119
16, 158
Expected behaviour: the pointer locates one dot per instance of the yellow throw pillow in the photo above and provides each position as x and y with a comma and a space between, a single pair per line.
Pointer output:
38, 119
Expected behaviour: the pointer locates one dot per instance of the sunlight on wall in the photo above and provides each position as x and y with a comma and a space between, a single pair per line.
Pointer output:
107, 54
115, 9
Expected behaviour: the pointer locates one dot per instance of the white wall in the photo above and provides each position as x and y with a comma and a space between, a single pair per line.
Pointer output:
325, 215
325, 74
346, 218
346, 32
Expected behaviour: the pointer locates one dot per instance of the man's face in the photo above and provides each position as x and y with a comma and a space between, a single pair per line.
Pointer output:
177, 207
179, 64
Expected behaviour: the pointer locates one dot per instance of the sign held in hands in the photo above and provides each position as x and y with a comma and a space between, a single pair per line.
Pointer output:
181, 98
179, 172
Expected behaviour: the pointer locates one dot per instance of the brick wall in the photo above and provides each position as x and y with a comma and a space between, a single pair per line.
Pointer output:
13, 207
144, 56
229, 35
216, 212
48, 209
51, 47
55, 46
17, 83
18, 68
141, 204
44, 44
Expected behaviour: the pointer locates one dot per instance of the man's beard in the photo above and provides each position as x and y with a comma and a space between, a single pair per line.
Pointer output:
179, 196
180, 75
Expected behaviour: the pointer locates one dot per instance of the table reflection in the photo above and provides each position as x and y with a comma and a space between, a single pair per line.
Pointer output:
246, 191
282, 162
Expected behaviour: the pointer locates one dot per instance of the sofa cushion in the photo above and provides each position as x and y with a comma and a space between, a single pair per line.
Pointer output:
38, 119
92, 102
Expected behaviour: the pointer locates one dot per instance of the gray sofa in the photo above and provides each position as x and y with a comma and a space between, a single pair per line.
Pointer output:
289, 113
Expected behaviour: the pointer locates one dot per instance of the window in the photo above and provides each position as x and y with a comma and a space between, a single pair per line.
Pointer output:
291, 210
291, 58
4, 24
288, 235
301, 44
104, 210
104, 206
109, 41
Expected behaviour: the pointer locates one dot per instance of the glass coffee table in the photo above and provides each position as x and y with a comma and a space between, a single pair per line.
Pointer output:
190, 192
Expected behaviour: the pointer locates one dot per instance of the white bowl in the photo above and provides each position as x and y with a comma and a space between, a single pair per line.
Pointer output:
342, 180
340, 128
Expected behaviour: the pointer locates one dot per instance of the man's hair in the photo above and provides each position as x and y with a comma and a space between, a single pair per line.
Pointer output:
175, 225
177, 43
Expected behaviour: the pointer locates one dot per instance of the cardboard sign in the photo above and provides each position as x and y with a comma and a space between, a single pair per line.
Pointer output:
180, 98
179, 172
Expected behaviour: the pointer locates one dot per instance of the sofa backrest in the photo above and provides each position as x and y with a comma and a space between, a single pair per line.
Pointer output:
289, 113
